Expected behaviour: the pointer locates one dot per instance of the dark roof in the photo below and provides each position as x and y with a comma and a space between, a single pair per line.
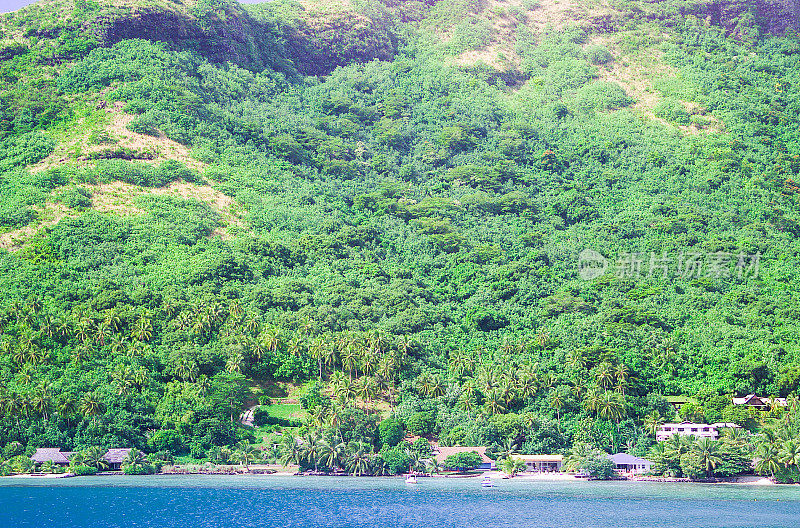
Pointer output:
626, 459
49, 454
116, 456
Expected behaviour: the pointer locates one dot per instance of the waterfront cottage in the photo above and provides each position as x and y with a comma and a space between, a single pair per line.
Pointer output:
114, 457
541, 463
50, 454
629, 464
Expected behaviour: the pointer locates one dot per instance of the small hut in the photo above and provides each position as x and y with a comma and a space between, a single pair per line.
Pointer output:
50, 454
114, 457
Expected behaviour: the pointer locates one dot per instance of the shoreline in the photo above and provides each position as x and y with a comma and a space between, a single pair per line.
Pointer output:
743, 480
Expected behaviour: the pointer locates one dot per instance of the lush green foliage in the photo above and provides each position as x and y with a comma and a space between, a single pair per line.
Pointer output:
406, 237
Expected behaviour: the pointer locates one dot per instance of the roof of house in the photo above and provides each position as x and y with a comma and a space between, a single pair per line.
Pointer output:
726, 425
624, 459
49, 454
718, 425
441, 453
540, 458
116, 456
752, 399
680, 399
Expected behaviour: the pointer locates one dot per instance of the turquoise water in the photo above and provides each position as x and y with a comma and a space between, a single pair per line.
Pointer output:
269, 501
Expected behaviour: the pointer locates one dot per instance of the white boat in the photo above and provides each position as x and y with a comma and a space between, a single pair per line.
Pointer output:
411, 479
487, 482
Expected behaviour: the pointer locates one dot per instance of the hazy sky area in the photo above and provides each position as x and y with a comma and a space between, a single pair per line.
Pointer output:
7, 6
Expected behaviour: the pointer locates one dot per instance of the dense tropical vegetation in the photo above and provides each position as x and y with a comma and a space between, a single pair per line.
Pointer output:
403, 232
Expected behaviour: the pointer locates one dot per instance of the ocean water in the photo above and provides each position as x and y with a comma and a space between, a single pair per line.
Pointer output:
274, 501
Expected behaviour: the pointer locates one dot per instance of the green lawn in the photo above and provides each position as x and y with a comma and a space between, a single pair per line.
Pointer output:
286, 410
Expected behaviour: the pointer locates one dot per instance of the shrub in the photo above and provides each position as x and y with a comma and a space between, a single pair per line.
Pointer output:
463, 461
82, 470
421, 423
598, 55
77, 197
25, 149
390, 432
672, 110
396, 458
166, 440
601, 468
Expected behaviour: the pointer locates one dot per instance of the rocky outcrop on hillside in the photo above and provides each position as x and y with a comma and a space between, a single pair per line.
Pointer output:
772, 16
227, 34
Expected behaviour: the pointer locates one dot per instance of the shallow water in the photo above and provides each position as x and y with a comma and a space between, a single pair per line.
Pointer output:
267, 501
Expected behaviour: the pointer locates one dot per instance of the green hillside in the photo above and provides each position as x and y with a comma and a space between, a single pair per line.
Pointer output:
387, 202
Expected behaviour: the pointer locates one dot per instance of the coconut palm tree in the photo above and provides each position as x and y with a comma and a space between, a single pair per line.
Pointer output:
333, 455
358, 459
246, 454
494, 402
707, 452
91, 404
292, 453
511, 466
768, 460
789, 453
93, 457
652, 422
611, 406
311, 449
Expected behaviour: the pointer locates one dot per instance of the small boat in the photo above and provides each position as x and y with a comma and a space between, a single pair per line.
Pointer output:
487, 482
411, 479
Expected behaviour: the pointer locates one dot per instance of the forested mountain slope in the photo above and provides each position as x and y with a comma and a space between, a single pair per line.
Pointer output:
200, 198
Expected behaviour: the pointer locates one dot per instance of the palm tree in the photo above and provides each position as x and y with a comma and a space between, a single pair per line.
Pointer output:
133, 458
767, 459
93, 457
707, 452
91, 404
311, 449
143, 328
611, 406
557, 403
494, 402
511, 466
605, 374
292, 453
789, 453
332, 455
622, 374
246, 454
358, 459
652, 422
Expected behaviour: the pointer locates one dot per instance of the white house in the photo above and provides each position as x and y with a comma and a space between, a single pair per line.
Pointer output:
541, 463
699, 430
629, 464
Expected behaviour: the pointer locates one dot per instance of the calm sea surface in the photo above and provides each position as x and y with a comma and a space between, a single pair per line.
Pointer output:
231, 501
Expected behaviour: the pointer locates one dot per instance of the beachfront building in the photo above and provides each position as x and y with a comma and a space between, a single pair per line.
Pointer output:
760, 402
440, 453
115, 457
53, 455
699, 430
626, 464
541, 463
